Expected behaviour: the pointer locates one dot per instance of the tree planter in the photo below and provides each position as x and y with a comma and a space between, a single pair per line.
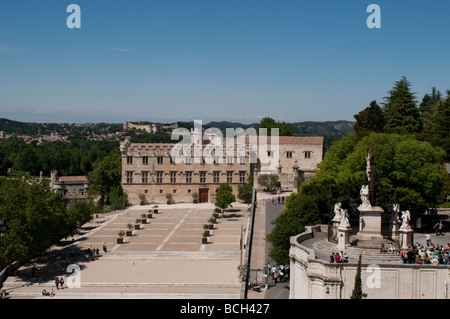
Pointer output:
211, 226
129, 233
149, 216
120, 240
137, 226
144, 221
204, 240
155, 211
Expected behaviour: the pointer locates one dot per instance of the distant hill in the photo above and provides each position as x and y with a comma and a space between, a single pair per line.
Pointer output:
330, 130
37, 129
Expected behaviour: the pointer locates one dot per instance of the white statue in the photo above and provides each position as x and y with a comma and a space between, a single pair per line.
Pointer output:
337, 212
364, 192
406, 217
368, 167
394, 215
344, 218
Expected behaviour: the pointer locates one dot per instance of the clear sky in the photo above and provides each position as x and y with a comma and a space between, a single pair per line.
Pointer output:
236, 60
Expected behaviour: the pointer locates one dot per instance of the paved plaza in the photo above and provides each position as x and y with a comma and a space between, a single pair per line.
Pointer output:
163, 259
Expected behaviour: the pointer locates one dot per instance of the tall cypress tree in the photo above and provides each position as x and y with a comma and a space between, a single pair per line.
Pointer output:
357, 289
401, 111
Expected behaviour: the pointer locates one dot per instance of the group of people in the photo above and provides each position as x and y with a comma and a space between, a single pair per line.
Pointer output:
428, 253
49, 294
95, 252
339, 257
59, 282
425, 254
278, 274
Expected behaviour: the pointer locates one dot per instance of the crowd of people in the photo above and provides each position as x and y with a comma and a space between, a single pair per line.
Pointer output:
278, 273
429, 253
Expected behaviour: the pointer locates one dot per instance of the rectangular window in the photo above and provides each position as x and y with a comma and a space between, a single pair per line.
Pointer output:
230, 177
145, 160
129, 159
159, 177
188, 177
144, 177
129, 177
242, 177
308, 154
202, 177
288, 154
173, 177
160, 160
216, 177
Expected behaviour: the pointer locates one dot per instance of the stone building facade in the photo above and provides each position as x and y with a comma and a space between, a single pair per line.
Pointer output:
150, 174
73, 189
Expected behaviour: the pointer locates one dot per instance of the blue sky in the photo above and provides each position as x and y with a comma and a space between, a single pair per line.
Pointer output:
171, 60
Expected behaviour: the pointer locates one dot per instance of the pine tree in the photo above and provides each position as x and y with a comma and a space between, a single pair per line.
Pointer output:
357, 289
371, 119
401, 112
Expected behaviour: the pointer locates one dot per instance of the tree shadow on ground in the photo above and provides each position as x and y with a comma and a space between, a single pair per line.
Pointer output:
54, 264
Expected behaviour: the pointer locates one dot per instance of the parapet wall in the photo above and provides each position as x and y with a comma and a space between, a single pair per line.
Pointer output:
312, 278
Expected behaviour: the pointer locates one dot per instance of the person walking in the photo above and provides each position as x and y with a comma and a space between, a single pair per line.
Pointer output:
61, 282
105, 248
57, 283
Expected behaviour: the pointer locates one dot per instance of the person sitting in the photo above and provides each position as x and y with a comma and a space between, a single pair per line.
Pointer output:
337, 258
345, 259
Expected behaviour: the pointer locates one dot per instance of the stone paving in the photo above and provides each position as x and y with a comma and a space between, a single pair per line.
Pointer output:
163, 259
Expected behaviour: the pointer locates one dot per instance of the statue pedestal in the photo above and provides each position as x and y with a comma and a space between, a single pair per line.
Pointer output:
406, 237
343, 237
370, 223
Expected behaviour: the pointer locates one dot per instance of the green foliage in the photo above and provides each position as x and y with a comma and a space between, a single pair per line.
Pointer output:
224, 196
371, 119
401, 112
284, 129
357, 292
106, 177
245, 191
269, 181
35, 218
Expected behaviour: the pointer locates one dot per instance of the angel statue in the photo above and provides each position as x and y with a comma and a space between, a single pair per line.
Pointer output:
406, 217
337, 212
364, 192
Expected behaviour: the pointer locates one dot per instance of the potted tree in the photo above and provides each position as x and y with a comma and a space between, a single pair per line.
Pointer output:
169, 199
205, 237
155, 209
137, 224
150, 214
129, 231
206, 229
144, 218
120, 239
195, 197
142, 198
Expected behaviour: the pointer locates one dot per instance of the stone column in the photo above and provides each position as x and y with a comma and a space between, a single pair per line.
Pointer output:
406, 237
343, 237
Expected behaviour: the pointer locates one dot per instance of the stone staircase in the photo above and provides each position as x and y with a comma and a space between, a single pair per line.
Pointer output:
369, 255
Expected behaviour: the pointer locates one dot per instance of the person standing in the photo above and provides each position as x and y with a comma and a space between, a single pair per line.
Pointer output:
105, 248
61, 282
57, 283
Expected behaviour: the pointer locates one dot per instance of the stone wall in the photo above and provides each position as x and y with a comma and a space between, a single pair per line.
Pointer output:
313, 278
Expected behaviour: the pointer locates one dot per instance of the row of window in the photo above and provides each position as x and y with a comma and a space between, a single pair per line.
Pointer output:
188, 177
216, 159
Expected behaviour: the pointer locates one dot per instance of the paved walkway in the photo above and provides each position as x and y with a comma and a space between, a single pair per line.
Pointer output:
163, 259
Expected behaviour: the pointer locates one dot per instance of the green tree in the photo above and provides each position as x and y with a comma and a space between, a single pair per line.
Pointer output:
35, 219
245, 191
401, 112
269, 181
357, 292
284, 129
224, 196
371, 119
106, 176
